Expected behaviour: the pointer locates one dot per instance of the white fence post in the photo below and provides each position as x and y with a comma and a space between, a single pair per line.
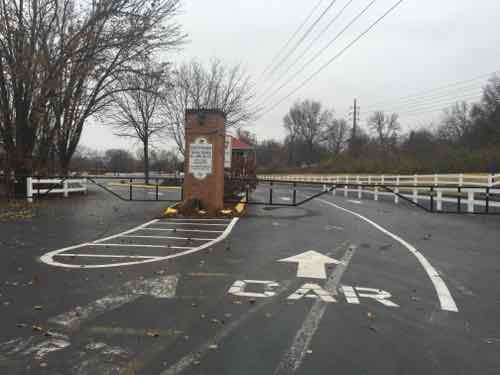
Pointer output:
375, 195
470, 201
439, 200
346, 180
490, 180
29, 189
65, 188
396, 197
360, 193
435, 179
460, 179
415, 190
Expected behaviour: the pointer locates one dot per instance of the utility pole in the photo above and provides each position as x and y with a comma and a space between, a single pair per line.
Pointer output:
354, 119
353, 141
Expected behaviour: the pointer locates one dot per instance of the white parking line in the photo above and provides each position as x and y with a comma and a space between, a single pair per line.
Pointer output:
107, 256
168, 238
139, 245
185, 223
200, 220
126, 232
445, 299
185, 230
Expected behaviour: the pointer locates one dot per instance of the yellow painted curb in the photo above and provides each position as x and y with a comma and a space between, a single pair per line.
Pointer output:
240, 207
171, 211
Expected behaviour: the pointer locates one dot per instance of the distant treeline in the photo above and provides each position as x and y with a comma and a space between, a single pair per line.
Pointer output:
467, 139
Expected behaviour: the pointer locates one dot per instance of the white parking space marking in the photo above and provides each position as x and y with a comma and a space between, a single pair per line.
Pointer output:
200, 220
168, 238
192, 223
445, 298
354, 201
138, 245
107, 256
185, 230
68, 252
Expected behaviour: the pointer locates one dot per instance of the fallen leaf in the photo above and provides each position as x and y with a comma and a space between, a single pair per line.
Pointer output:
37, 328
152, 333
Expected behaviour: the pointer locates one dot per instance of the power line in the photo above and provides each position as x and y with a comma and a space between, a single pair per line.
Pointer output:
320, 52
427, 100
304, 36
310, 45
297, 31
439, 106
429, 97
338, 55
440, 88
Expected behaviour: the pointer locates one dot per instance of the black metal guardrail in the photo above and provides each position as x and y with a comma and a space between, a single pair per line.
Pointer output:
487, 194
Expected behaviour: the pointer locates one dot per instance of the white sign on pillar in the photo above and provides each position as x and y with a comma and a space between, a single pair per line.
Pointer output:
200, 158
228, 151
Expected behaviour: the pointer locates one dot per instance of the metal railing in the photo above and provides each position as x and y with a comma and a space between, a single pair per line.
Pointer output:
438, 198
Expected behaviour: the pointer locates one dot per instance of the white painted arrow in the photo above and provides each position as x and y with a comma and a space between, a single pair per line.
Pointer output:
311, 264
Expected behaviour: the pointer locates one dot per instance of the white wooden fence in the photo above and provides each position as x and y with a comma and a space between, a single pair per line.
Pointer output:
414, 187
56, 186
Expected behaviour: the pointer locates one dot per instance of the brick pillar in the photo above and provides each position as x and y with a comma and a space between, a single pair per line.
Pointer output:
204, 176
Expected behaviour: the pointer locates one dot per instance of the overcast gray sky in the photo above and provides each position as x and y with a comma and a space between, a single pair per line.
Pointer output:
423, 44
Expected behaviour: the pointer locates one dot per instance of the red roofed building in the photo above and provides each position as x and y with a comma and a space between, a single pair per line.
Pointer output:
238, 144
242, 158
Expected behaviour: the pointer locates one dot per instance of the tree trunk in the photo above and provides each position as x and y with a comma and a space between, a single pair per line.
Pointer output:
64, 165
146, 162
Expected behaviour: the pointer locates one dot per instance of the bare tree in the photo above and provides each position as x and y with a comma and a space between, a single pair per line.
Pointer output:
305, 122
61, 60
106, 41
336, 136
135, 108
386, 129
26, 73
214, 87
457, 123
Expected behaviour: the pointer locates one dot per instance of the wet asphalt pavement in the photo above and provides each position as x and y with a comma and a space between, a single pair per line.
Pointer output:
405, 293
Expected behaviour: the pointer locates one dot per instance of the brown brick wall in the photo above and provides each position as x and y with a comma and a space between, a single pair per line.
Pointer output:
210, 190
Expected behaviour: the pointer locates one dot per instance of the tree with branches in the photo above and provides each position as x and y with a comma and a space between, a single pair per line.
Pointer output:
135, 112
215, 86
61, 62
386, 129
305, 122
